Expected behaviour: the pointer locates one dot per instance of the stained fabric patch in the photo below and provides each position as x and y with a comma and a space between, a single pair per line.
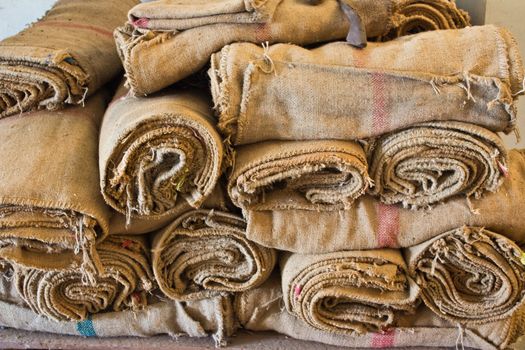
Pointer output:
86, 328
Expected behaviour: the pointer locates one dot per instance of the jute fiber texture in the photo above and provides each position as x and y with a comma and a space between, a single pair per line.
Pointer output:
263, 309
309, 175
428, 163
52, 212
194, 318
205, 253
336, 91
370, 224
193, 30
67, 296
348, 292
63, 57
469, 275
122, 225
157, 152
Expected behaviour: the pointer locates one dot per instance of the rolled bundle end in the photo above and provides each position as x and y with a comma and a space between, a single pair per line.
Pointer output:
69, 296
169, 154
205, 253
29, 85
348, 292
431, 162
321, 174
415, 16
470, 275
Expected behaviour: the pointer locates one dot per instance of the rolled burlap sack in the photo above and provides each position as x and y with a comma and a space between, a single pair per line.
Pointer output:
63, 57
472, 75
428, 163
415, 16
370, 224
348, 292
262, 309
157, 152
192, 31
205, 253
52, 213
309, 175
66, 295
469, 275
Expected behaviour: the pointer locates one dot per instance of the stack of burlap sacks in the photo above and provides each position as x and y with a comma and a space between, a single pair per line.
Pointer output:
352, 190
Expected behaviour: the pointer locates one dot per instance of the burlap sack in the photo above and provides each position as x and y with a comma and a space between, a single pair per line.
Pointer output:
51, 209
195, 319
66, 295
469, 275
415, 16
60, 59
121, 225
348, 292
370, 224
156, 153
428, 163
192, 30
262, 309
310, 175
205, 253
280, 92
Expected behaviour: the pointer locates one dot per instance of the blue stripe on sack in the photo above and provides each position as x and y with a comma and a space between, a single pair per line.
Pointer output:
86, 328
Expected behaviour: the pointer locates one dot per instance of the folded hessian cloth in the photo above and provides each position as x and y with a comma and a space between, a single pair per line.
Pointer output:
431, 162
205, 253
157, 152
348, 292
469, 275
336, 91
193, 30
370, 224
63, 57
66, 295
51, 209
321, 175
262, 309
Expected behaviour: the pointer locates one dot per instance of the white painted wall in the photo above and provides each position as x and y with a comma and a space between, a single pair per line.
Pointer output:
16, 14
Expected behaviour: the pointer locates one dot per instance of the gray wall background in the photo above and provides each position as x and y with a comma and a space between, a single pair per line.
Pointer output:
16, 14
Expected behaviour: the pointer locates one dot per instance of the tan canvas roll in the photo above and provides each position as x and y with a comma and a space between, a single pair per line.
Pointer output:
280, 92
51, 209
370, 224
415, 16
309, 175
63, 57
469, 275
262, 309
205, 253
66, 295
193, 30
428, 163
158, 152
348, 292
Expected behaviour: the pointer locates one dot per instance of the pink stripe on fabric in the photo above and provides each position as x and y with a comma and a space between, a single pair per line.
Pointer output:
380, 115
387, 225
383, 340
61, 24
140, 22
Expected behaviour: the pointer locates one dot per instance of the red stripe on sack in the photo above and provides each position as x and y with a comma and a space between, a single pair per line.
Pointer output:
140, 22
60, 24
380, 121
263, 33
387, 225
383, 340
